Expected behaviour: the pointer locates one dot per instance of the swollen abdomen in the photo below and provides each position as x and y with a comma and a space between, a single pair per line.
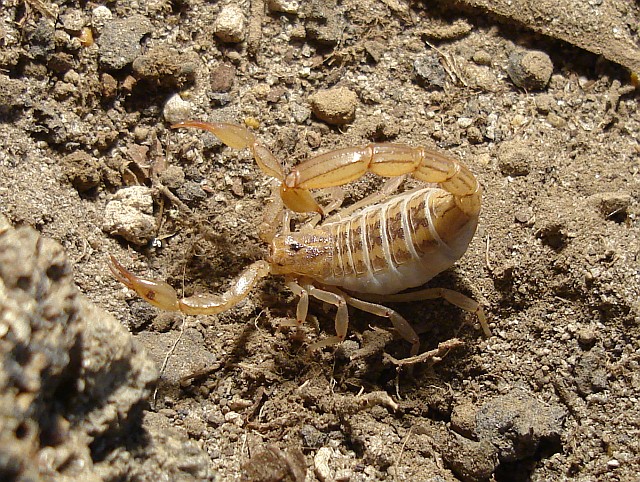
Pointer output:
393, 246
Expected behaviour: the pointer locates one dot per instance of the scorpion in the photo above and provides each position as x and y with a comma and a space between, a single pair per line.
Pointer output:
368, 254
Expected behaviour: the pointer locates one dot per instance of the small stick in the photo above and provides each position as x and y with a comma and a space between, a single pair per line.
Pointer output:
434, 355
486, 256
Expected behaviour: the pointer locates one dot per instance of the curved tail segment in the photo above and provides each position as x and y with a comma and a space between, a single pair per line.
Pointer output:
340, 167
238, 137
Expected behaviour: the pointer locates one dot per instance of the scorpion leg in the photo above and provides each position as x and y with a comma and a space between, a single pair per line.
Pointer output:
303, 303
340, 299
162, 295
453, 297
401, 325
342, 315
273, 216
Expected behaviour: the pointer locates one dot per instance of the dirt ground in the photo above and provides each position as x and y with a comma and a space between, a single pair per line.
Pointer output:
87, 95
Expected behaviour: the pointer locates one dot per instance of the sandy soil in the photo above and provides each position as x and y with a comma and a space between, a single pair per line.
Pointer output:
551, 395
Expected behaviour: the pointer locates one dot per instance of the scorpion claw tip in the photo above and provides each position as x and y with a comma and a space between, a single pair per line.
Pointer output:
120, 272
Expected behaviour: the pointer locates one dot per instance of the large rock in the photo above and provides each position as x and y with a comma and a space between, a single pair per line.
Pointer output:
73, 384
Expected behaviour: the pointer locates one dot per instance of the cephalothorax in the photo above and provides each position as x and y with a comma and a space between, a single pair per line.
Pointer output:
366, 255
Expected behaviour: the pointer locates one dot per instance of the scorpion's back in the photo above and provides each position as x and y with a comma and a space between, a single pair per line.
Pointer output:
398, 244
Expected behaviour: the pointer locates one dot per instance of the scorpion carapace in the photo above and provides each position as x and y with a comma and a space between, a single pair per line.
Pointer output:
364, 256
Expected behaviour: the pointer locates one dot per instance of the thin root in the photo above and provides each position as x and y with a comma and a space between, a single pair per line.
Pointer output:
433, 356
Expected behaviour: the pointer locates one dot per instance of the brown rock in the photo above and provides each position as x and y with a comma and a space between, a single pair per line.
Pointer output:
334, 106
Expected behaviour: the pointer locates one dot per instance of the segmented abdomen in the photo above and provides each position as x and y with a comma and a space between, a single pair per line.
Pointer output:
389, 247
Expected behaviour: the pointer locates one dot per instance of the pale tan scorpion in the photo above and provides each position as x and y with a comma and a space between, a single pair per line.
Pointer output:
375, 251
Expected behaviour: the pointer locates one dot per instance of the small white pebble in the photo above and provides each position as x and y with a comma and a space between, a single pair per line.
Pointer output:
100, 16
321, 463
613, 463
176, 109
234, 418
465, 122
129, 214
229, 25
284, 6
73, 20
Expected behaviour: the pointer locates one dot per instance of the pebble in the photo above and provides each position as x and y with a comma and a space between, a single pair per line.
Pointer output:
375, 49
272, 464
130, 215
11, 95
545, 103
164, 321
590, 372
177, 110
109, 86
141, 133
100, 16
222, 78
530, 70
465, 122
73, 20
83, 170
173, 177
312, 437
42, 40
234, 418
587, 337
517, 424
555, 120
165, 67
463, 419
61, 62
119, 43
524, 215
284, 6
345, 351
194, 425
230, 24
191, 193
335, 106
299, 112
474, 135
514, 159
482, 57
429, 72
321, 462
323, 22
449, 31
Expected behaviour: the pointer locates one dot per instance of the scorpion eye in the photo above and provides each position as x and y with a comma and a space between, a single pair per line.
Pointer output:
295, 246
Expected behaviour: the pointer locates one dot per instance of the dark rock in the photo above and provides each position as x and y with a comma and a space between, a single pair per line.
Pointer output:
430, 73
590, 373
518, 423
222, 78
530, 70
83, 170
69, 373
119, 43
42, 41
